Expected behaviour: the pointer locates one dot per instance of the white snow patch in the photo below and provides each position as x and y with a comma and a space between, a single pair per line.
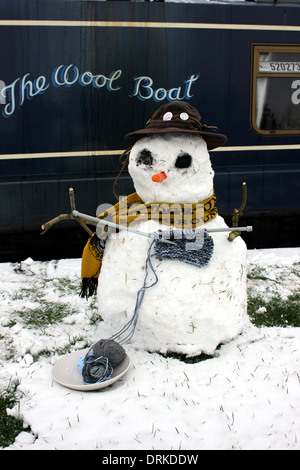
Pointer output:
246, 397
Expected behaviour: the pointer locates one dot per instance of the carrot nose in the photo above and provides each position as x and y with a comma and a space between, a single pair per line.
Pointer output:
159, 177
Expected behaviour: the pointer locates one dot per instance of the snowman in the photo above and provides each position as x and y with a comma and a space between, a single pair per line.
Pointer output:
195, 295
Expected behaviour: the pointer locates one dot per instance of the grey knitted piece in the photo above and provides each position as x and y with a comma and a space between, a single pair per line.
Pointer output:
196, 250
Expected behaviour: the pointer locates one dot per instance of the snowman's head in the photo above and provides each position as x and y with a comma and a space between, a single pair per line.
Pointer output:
171, 167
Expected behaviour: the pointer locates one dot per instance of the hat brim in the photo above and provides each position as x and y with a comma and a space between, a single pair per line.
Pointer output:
213, 140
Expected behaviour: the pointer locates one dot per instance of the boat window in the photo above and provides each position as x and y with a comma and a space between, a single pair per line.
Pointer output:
275, 107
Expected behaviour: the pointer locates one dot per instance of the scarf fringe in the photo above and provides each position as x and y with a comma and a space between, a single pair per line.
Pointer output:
88, 287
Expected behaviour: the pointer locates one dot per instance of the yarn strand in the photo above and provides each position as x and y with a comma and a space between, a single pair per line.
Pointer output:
131, 324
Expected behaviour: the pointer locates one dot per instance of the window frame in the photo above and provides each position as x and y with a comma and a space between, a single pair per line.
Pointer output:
257, 49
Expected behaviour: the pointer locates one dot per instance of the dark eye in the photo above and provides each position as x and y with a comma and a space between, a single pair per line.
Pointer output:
145, 157
184, 160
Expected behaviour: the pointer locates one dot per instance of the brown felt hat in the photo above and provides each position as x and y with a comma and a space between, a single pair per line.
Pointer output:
179, 117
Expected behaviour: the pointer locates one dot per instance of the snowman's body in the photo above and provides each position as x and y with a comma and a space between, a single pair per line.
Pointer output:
192, 309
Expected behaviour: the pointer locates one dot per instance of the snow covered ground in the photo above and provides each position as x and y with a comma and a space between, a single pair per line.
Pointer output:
246, 397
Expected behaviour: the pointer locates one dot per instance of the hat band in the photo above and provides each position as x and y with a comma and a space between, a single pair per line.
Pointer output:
191, 125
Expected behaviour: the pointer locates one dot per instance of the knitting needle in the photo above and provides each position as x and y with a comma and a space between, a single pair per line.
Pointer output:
249, 228
96, 221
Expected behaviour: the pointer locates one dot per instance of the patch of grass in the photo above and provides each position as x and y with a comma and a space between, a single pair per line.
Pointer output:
67, 349
10, 426
65, 286
95, 318
258, 274
275, 312
46, 313
61, 286
296, 269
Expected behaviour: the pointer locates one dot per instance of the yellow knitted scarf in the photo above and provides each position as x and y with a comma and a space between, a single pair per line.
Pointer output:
131, 210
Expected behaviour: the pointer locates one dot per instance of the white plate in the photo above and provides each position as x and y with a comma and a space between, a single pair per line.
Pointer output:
66, 372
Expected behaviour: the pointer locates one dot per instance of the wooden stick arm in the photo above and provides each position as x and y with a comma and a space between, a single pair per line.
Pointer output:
45, 227
236, 215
